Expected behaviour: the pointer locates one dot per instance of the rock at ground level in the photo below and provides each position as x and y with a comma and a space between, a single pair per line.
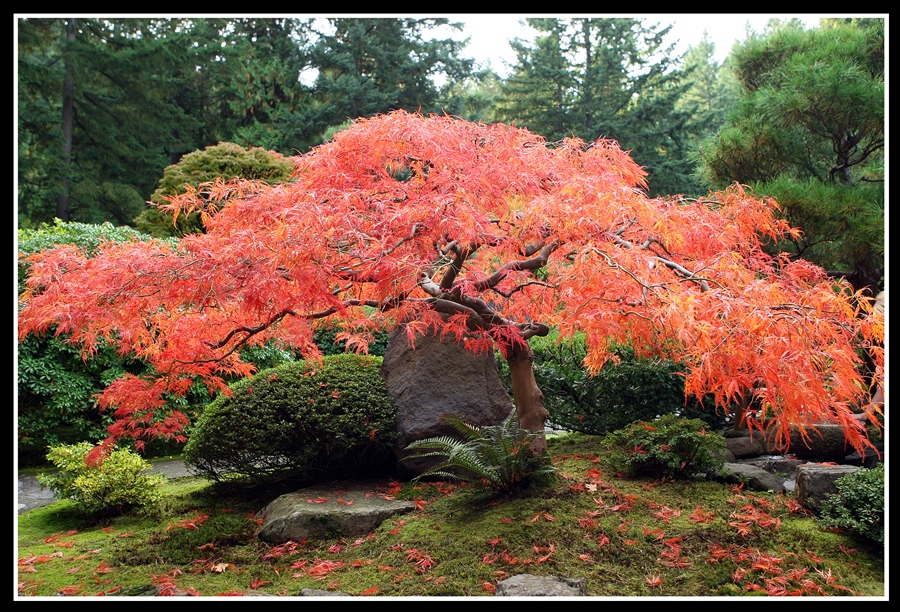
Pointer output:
815, 482
528, 585
435, 377
753, 477
744, 446
343, 509
322, 593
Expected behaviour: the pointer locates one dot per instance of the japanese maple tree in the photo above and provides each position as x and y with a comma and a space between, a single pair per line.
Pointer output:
485, 234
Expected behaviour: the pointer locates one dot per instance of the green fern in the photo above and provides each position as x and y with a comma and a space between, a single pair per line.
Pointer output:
497, 457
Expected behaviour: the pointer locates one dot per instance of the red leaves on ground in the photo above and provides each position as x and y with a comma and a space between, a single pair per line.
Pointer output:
654, 581
69, 590
666, 513
288, 548
103, 568
549, 549
587, 523
321, 569
701, 516
423, 562
190, 524
658, 534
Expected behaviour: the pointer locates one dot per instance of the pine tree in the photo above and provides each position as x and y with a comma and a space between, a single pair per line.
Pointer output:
809, 131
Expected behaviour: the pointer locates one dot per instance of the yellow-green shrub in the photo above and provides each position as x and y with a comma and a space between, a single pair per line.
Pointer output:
115, 486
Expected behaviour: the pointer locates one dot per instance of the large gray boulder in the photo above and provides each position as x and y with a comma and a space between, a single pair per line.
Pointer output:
435, 377
815, 482
824, 442
744, 446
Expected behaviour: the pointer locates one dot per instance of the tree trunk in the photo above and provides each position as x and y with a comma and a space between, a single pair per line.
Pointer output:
527, 395
68, 115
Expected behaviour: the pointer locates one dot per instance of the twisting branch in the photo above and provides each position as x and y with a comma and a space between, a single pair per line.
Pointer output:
677, 268
533, 263
509, 293
479, 314
461, 253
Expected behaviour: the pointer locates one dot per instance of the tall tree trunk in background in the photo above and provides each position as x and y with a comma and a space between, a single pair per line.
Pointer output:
588, 80
68, 112
527, 395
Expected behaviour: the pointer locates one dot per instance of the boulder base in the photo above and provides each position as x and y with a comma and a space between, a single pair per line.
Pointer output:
432, 378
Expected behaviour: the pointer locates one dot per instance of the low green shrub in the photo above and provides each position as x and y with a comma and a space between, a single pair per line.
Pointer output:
858, 506
669, 447
117, 485
300, 421
496, 457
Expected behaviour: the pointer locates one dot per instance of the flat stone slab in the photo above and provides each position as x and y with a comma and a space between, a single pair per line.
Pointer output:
529, 585
339, 509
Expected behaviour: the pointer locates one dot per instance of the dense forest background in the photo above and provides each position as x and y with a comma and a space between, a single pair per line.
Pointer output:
106, 105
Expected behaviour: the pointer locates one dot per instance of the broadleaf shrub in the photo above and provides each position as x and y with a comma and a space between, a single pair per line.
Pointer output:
858, 506
117, 485
669, 447
628, 390
301, 421
56, 383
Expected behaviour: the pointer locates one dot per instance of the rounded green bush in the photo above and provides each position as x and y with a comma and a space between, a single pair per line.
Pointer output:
669, 447
300, 421
226, 161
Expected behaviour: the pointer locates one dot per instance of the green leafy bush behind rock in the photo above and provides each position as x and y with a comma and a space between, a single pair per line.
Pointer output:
300, 421
858, 506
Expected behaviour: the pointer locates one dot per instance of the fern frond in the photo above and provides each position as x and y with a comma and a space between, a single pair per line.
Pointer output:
498, 455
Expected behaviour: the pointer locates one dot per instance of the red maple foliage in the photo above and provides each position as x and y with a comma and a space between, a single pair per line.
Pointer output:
486, 234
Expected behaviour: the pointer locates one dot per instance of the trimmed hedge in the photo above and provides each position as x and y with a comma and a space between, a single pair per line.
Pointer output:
300, 421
